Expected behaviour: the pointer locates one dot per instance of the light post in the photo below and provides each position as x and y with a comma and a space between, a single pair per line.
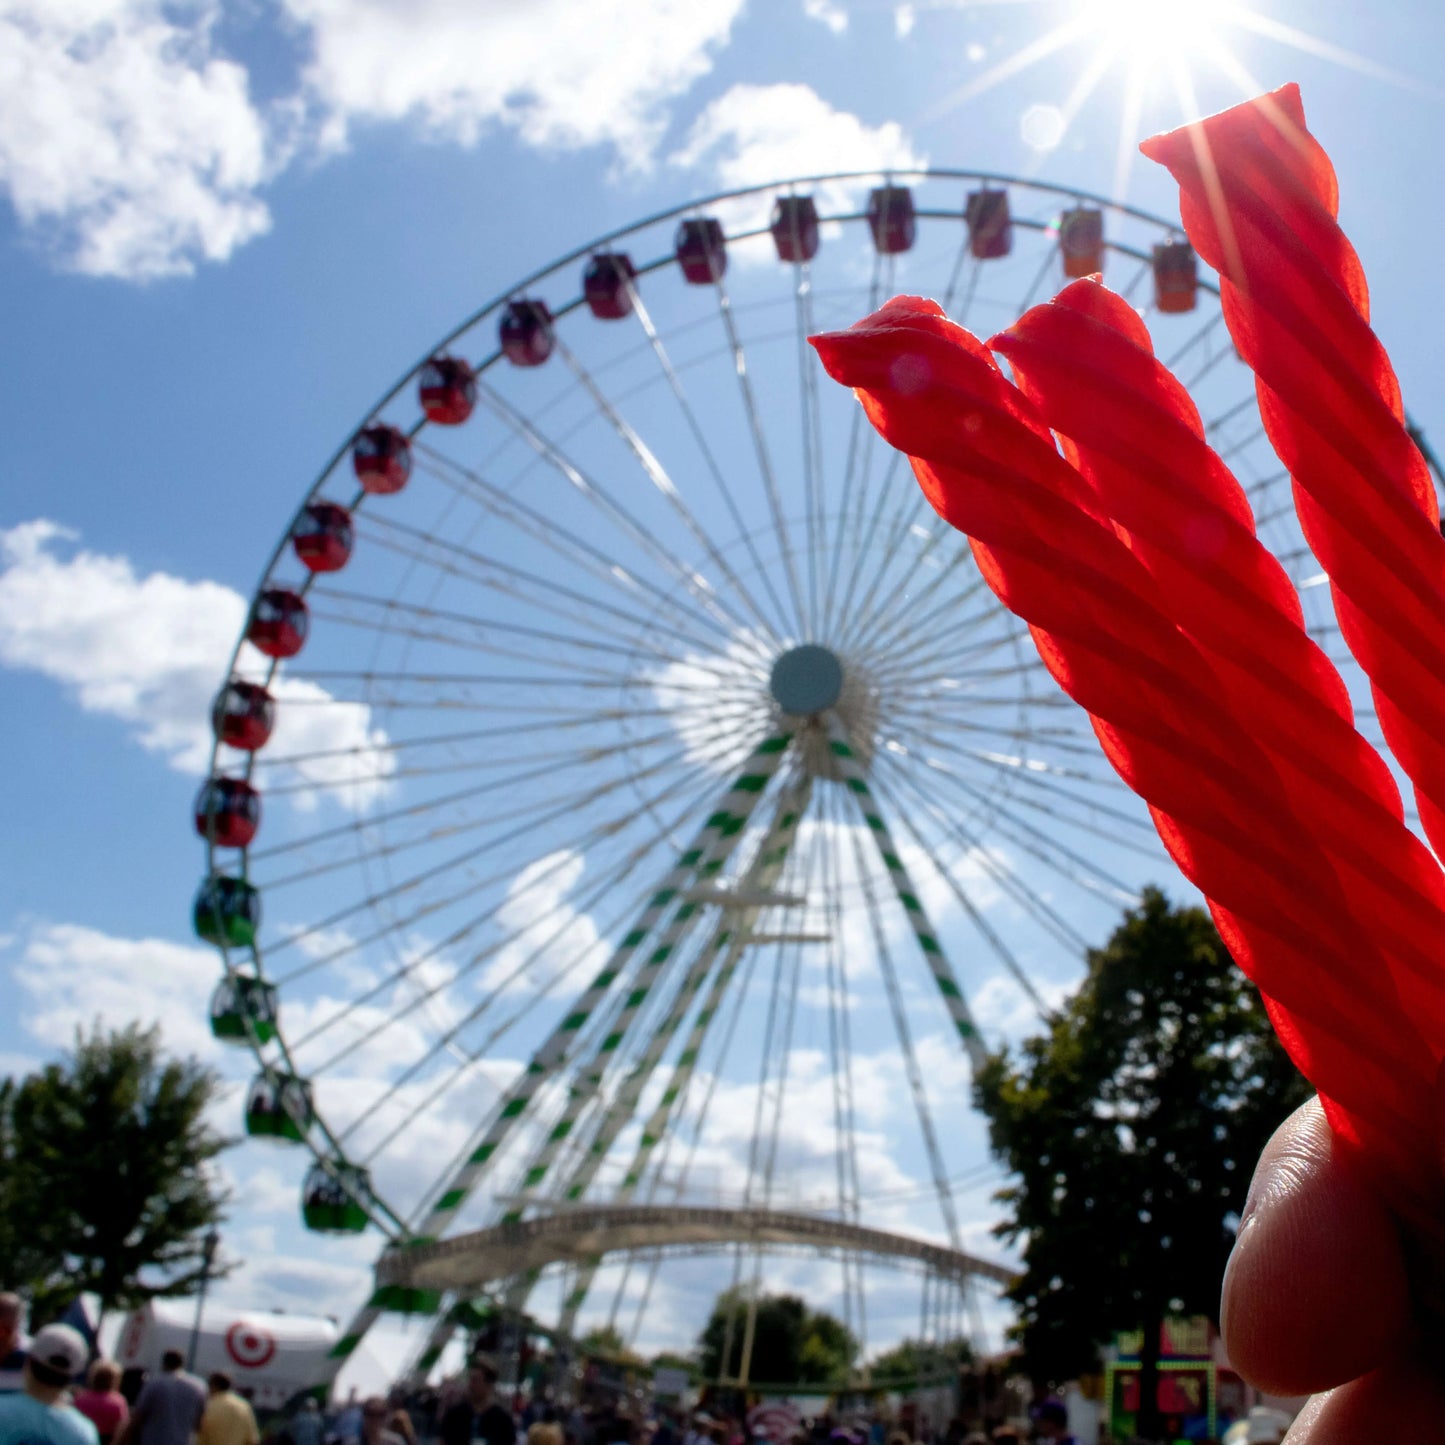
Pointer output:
209, 1246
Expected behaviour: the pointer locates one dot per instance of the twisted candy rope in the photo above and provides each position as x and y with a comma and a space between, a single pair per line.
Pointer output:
1259, 201
1238, 816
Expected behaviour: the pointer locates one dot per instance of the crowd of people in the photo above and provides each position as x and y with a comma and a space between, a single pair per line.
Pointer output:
53, 1392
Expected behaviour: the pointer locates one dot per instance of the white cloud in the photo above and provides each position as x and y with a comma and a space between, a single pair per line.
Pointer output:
70, 976
758, 133
151, 651
905, 17
527, 65
125, 137
131, 145
827, 12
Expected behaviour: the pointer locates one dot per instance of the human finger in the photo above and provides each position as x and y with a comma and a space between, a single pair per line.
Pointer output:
1316, 1292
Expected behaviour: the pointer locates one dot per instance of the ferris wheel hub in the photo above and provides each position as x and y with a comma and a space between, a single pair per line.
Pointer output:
806, 680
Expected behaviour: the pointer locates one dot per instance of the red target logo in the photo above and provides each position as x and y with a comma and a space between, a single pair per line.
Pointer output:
250, 1346
133, 1338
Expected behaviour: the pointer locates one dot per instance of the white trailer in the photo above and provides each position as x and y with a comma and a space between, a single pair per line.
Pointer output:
273, 1356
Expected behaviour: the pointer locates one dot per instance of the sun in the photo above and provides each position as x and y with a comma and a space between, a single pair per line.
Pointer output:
1137, 48
1156, 32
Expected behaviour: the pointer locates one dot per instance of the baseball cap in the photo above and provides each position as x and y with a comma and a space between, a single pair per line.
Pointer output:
59, 1350
1051, 1409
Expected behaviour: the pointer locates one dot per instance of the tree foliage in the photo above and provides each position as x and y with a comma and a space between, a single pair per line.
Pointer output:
911, 1360
106, 1182
1131, 1128
792, 1345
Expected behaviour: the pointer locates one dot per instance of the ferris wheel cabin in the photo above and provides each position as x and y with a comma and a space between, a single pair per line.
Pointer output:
278, 622
243, 715
990, 228
1176, 277
227, 911
795, 228
892, 219
279, 1106
228, 812
323, 536
447, 387
607, 285
381, 459
334, 1198
1081, 241
701, 250
525, 332
244, 1007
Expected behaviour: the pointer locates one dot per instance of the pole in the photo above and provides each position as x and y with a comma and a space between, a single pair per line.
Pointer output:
209, 1247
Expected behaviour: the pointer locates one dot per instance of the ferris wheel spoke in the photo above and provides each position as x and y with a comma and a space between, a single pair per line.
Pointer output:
862, 556
657, 474
544, 593
891, 622
709, 457
1042, 845
883, 560
885, 609
566, 809
811, 436
703, 741
413, 620
764, 459
860, 439
1036, 285
561, 756
1048, 778
954, 654
349, 830
608, 506
1196, 339
1007, 878
1203, 370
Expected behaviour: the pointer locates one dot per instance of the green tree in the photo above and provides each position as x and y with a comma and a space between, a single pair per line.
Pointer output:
911, 1360
108, 1171
606, 1340
1131, 1128
792, 1345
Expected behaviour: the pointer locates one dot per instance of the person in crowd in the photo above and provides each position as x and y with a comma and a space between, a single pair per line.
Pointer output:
228, 1418
169, 1408
12, 1344
306, 1427
347, 1425
101, 1402
40, 1413
544, 1433
374, 1412
399, 1423
1051, 1422
478, 1415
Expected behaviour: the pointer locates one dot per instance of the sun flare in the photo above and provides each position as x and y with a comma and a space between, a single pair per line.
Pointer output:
1139, 49
1156, 32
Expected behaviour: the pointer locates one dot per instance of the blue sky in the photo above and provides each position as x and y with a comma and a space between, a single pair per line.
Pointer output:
229, 228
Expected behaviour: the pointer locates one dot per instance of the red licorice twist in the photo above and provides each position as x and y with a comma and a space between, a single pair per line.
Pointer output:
1259, 202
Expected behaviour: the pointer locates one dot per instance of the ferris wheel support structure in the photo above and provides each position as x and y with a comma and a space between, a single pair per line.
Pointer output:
721, 830
728, 934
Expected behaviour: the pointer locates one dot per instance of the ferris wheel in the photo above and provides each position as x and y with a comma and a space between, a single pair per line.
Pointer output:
661, 814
